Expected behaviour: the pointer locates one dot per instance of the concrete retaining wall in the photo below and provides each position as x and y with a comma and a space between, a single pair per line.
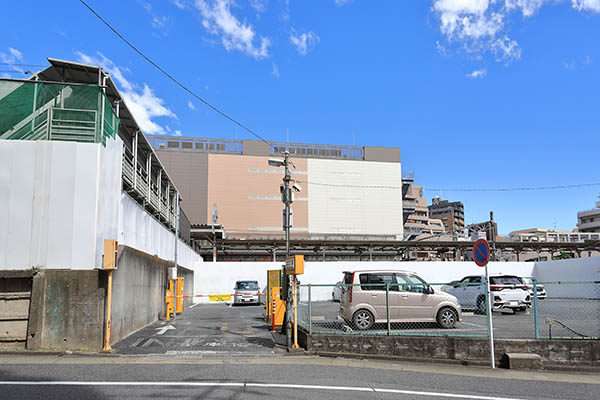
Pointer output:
554, 353
67, 310
139, 286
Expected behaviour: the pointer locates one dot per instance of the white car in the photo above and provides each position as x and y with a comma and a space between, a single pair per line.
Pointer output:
336, 292
246, 292
507, 291
541, 290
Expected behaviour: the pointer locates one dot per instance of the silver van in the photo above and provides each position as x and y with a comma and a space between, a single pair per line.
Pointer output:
411, 299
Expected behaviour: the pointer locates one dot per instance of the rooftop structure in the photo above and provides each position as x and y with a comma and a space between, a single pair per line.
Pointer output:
550, 235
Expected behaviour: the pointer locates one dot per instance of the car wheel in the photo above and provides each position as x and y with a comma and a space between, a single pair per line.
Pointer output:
363, 320
481, 306
447, 317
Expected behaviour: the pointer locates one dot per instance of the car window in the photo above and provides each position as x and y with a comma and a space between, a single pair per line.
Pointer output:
411, 283
348, 278
378, 281
528, 281
247, 285
505, 280
475, 279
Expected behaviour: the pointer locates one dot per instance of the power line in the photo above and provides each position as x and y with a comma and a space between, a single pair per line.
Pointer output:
23, 65
12, 71
515, 189
181, 85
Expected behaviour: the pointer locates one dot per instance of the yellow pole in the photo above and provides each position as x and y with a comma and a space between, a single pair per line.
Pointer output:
295, 345
106, 346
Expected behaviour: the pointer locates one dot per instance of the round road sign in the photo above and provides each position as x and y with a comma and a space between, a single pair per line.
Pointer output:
481, 252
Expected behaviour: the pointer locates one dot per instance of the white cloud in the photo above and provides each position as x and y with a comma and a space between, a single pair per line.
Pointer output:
159, 22
482, 26
477, 74
259, 5
13, 56
305, 42
16, 54
177, 133
191, 105
141, 101
235, 35
340, 3
587, 5
275, 70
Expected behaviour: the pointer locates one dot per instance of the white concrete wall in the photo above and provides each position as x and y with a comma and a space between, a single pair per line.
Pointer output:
219, 278
350, 210
140, 230
57, 201
572, 270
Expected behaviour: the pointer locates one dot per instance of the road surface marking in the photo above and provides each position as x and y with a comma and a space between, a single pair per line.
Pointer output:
152, 340
162, 330
134, 344
259, 385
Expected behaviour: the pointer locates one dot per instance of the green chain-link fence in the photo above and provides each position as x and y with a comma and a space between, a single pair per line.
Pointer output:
54, 111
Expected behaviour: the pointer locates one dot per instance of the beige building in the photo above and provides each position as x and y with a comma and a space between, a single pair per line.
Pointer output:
417, 223
589, 220
347, 191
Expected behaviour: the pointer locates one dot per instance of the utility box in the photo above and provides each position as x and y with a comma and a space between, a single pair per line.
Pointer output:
179, 299
273, 281
294, 265
111, 248
277, 308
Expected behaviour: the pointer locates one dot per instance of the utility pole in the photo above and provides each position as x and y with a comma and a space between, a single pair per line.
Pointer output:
215, 219
287, 199
493, 238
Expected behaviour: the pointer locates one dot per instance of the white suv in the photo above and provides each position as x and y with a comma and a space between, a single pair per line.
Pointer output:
507, 291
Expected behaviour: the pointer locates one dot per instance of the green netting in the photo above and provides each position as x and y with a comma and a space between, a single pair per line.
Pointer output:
53, 111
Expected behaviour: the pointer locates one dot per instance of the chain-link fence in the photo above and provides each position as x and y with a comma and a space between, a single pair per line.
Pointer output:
522, 309
567, 310
34, 110
407, 308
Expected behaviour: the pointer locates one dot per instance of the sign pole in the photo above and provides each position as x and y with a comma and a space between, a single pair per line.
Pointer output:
481, 256
489, 316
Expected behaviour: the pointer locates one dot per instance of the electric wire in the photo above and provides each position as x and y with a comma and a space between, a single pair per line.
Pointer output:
514, 189
252, 132
174, 80
23, 65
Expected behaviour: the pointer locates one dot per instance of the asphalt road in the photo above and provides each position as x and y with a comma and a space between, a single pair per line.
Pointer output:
207, 330
281, 377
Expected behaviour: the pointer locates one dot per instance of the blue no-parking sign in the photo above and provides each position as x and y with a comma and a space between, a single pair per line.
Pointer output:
481, 252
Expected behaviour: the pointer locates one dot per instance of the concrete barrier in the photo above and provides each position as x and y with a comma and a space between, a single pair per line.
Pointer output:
554, 354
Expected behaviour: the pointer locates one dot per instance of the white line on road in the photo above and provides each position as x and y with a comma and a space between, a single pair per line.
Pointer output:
162, 330
263, 385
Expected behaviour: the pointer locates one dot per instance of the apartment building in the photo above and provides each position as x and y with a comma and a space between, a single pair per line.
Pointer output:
452, 214
589, 220
347, 191
417, 223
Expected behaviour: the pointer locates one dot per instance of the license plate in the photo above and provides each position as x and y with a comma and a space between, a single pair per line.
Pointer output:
514, 303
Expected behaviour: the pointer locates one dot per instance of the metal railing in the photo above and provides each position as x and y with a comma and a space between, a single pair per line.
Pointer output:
136, 179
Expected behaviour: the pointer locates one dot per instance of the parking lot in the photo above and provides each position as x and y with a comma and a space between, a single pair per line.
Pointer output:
581, 316
207, 330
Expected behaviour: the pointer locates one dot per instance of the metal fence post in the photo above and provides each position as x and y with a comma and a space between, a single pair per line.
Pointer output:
535, 309
387, 307
309, 311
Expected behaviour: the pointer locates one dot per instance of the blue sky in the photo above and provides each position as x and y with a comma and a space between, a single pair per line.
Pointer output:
476, 93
